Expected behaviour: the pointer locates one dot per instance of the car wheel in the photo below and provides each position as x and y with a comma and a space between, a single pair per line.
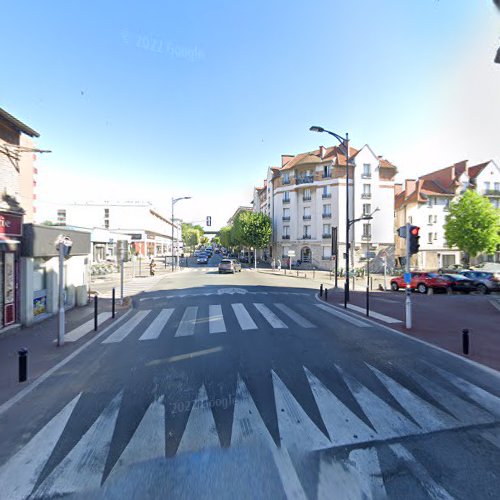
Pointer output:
394, 287
422, 288
482, 289
467, 292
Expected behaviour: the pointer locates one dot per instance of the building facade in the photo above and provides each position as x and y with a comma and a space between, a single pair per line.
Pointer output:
424, 202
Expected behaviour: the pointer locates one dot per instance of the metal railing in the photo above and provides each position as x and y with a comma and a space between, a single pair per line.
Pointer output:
366, 196
327, 176
326, 216
327, 235
306, 217
327, 195
306, 179
285, 237
306, 237
286, 200
286, 218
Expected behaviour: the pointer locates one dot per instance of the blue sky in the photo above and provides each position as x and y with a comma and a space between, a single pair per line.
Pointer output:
149, 99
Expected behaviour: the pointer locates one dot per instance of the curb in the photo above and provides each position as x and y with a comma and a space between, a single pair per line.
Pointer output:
485, 368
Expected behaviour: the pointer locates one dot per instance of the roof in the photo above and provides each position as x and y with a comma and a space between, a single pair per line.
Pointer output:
477, 169
17, 124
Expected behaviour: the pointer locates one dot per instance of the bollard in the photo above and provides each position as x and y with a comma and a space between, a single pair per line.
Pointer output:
113, 304
321, 290
23, 364
326, 294
297, 273
95, 313
465, 341
367, 301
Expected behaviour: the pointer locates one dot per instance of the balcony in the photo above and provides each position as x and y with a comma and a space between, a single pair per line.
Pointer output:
326, 196
491, 192
366, 196
306, 237
286, 200
327, 235
366, 237
286, 218
306, 198
286, 180
366, 176
326, 216
305, 179
306, 217
285, 237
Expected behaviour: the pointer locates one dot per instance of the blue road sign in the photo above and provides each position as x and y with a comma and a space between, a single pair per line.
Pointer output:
407, 277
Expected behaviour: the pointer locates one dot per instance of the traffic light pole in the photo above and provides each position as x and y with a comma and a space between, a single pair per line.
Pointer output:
408, 289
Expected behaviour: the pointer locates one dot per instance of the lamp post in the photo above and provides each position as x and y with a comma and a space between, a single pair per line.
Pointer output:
344, 142
174, 201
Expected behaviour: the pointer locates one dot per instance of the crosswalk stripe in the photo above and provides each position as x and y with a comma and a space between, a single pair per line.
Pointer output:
87, 327
81, 470
373, 314
188, 322
216, 319
125, 329
271, 318
244, 319
19, 475
154, 329
345, 317
300, 320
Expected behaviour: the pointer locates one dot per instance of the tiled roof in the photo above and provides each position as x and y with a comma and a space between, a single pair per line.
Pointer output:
477, 169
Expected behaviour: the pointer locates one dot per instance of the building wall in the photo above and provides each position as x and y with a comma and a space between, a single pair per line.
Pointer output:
27, 193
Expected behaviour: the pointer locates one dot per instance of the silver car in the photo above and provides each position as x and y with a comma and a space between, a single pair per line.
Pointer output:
485, 282
229, 266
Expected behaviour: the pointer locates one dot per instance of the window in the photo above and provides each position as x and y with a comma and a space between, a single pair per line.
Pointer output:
106, 223
326, 171
367, 171
435, 219
430, 220
286, 178
429, 201
106, 212
429, 238
367, 230
327, 229
446, 203
286, 232
367, 192
435, 236
307, 213
497, 186
327, 210
326, 192
307, 231
327, 252
487, 186
286, 214
61, 216
286, 197
367, 209
307, 194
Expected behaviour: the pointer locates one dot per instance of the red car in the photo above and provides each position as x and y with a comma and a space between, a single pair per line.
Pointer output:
421, 282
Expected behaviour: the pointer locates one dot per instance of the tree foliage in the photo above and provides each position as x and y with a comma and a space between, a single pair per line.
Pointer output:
191, 235
225, 236
473, 225
254, 229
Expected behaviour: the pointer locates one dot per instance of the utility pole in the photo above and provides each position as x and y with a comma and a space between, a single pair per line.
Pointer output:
408, 279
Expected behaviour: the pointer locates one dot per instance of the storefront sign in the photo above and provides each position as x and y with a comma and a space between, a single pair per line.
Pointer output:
39, 305
10, 224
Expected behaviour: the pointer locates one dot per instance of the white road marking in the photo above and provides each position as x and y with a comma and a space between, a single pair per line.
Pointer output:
87, 327
200, 433
345, 317
188, 322
216, 319
20, 474
81, 470
154, 329
344, 427
357, 476
432, 489
296, 428
148, 441
126, 329
495, 303
244, 319
300, 320
271, 318
373, 314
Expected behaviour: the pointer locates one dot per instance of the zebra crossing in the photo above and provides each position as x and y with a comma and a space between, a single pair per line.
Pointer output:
347, 458
217, 319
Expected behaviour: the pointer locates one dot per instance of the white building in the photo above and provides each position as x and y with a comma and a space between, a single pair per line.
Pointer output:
150, 231
424, 203
306, 199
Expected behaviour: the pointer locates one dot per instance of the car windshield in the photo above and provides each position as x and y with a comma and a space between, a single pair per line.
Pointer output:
225, 261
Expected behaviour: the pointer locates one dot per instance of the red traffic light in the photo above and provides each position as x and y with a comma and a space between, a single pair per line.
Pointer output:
414, 230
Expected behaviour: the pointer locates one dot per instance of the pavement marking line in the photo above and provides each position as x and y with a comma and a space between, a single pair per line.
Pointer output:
216, 319
19, 475
300, 320
201, 432
82, 468
244, 319
271, 318
154, 329
345, 317
20, 395
495, 303
87, 327
373, 314
148, 441
188, 322
432, 489
126, 329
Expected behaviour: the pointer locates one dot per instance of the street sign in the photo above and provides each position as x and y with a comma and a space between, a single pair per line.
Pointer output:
370, 255
291, 253
407, 278
122, 250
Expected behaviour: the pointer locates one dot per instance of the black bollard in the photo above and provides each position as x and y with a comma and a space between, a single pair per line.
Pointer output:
465, 341
113, 304
23, 364
95, 313
326, 294
367, 301
321, 290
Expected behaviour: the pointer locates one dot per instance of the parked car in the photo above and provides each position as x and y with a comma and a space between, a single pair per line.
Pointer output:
229, 266
460, 283
421, 282
202, 259
485, 282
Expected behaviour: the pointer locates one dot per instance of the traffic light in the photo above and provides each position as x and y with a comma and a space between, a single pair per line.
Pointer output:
402, 232
414, 237
209, 220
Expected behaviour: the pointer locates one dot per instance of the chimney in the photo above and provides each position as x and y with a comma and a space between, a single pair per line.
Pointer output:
398, 188
322, 152
285, 159
410, 185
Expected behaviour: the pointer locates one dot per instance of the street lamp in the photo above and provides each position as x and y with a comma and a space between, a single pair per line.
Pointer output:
344, 142
174, 201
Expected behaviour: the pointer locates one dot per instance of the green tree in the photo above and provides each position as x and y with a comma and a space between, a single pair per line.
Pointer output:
473, 225
191, 235
254, 230
225, 236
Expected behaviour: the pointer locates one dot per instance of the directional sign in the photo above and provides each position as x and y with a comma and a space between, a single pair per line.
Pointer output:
291, 253
407, 277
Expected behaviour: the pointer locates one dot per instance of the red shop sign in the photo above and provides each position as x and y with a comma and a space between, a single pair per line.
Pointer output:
10, 224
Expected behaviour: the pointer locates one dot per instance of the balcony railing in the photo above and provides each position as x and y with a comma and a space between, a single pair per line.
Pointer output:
305, 179
326, 216
327, 235
286, 218
306, 217
306, 237
366, 176
286, 200
306, 198
286, 180
327, 195
366, 196
366, 237
492, 192
285, 237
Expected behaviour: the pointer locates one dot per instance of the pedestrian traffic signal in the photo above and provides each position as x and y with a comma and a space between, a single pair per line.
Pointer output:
402, 232
209, 220
414, 237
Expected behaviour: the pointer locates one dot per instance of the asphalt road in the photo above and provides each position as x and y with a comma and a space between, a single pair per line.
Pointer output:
245, 386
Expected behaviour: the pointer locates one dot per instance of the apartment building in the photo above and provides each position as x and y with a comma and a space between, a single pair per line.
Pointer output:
424, 202
306, 199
